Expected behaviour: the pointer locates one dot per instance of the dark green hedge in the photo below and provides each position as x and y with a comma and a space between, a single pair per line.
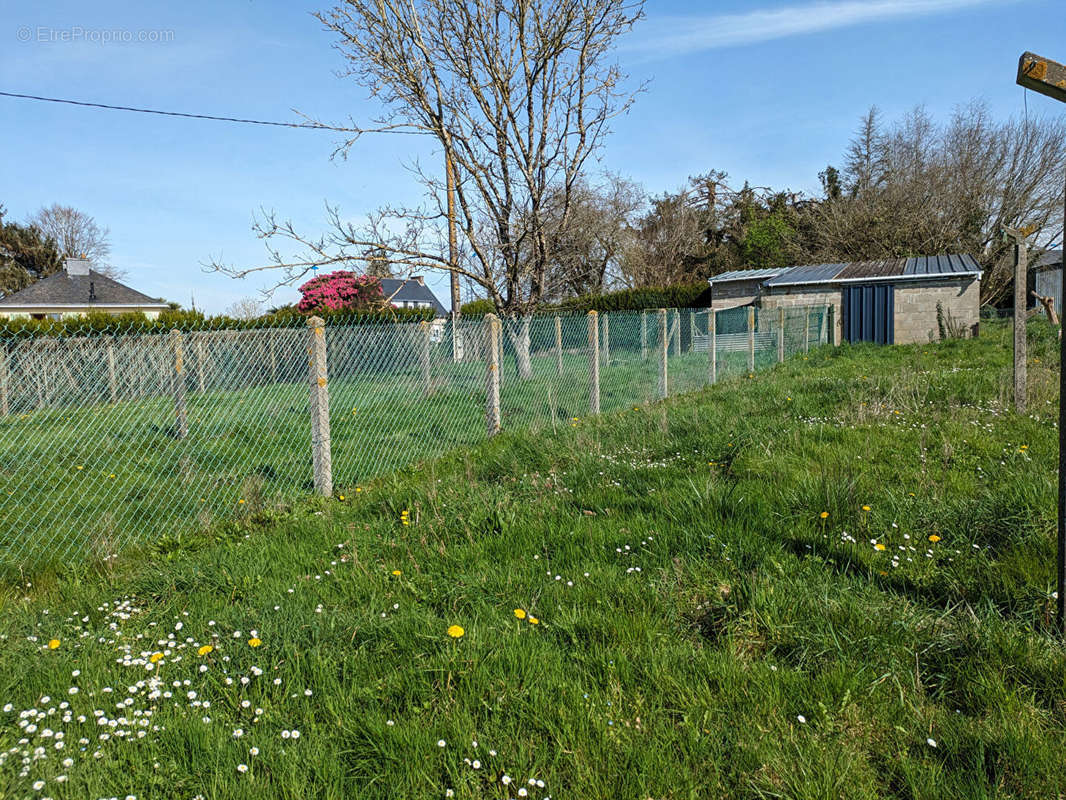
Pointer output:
685, 295
193, 321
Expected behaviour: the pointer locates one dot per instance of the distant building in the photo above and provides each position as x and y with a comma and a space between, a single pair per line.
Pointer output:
76, 290
411, 293
891, 301
1047, 277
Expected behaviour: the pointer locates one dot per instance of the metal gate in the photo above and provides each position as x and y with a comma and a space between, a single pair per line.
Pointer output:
867, 313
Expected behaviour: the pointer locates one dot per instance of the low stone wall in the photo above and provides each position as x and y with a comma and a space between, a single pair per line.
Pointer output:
914, 310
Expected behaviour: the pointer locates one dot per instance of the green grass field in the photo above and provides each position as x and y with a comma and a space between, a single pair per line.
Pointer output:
830, 581
90, 478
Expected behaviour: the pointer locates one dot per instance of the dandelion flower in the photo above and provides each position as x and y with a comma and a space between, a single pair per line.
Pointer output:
879, 546
534, 621
204, 650
824, 515
255, 641
456, 632
865, 508
520, 613
53, 644
934, 538
156, 657
397, 572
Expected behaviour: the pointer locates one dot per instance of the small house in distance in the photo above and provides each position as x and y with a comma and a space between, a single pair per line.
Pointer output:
76, 290
890, 301
411, 293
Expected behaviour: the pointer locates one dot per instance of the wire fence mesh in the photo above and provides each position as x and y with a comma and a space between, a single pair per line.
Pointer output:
118, 437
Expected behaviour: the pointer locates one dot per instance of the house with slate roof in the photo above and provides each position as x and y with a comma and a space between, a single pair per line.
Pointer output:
889, 301
411, 293
75, 290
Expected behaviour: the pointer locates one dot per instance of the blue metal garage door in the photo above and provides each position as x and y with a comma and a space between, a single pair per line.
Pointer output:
868, 313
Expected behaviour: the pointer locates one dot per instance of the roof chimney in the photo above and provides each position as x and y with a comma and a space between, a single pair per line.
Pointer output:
77, 266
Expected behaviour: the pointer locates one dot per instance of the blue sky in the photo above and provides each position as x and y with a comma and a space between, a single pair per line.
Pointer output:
768, 91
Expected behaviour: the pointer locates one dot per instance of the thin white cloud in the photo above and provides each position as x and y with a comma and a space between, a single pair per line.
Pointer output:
672, 36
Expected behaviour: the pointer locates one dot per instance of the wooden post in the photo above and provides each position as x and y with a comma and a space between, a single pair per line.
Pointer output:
594, 363
558, 346
664, 346
780, 334
830, 325
423, 357
492, 374
181, 414
643, 335
5, 407
712, 347
1020, 349
751, 339
318, 375
606, 340
112, 380
806, 329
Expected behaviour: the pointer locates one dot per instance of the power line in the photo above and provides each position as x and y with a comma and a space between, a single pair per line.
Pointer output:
108, 107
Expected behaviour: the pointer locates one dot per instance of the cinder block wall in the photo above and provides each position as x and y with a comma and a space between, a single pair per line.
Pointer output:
792, 297
915, 308
735, 293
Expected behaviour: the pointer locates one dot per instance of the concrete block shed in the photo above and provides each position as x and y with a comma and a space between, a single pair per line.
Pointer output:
890, 301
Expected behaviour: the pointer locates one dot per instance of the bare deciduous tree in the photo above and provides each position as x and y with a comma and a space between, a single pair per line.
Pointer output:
517, 94
245, 308
77, 235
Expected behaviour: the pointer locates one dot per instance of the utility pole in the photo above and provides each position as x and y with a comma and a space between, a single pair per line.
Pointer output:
1049, 78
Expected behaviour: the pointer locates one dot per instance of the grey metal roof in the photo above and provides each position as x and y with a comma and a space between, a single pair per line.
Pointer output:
883, 269
411, 290
64, 289
745, 275
811, 273
1049, 258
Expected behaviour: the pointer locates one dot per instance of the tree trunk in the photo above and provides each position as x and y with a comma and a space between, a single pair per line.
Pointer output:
518, 333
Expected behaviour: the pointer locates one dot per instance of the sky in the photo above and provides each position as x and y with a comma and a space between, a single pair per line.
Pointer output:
770, 92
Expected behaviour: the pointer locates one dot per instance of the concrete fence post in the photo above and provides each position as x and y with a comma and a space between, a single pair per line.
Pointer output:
321, 455
1020, 344
691, 330
492, 374
664, 346
806, 329
594, 362
558, 346
423, 356
643, 335
677, 332
5, 404
177, 382
712, 347
780, 334
606, 327
751, 339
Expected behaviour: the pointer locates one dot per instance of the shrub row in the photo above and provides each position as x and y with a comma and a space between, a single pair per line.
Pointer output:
685, 295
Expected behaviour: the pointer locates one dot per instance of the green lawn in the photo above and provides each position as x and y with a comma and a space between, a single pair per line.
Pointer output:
702, 630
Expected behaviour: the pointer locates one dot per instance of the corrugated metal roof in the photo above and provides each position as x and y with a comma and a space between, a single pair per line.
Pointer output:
810, 273
745, 275
941, 265
882, 269
1051, 258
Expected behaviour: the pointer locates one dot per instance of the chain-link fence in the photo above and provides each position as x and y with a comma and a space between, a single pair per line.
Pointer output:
120, 436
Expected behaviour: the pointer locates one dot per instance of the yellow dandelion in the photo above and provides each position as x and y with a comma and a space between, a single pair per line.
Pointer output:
340, 497
156, 657
824, 515
204, 650
456, 632
934, 538
879, 546
865, 508
53, 644
240, 502
358, 489
534, 621
397, 572
79, 467
255, 641
520, 613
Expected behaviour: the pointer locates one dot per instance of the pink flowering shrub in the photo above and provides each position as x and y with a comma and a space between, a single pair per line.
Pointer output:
340, 291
